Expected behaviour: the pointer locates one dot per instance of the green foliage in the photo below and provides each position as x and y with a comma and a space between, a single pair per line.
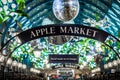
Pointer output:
1, 18
97, 17
19, 11
118, 34
21, 4
97, 26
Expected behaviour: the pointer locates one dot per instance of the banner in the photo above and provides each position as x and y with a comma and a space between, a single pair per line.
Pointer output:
62, 29
67, 58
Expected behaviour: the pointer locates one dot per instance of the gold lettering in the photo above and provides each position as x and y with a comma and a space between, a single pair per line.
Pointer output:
82, 31
94, 33
42, 31
37, 32
63, 29
88, 33
70, 30
46, 30
76, 30
32, 34
52, 30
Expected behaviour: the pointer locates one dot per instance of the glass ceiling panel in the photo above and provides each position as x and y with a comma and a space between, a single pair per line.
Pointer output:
95, 10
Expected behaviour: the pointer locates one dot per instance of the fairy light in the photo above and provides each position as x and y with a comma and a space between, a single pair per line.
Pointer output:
0, 9
10, 1
115, 63
5, 8
110, 65
4, 1
13, 5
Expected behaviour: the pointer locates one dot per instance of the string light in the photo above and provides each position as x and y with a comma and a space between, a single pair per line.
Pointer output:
14, 63
9, 61
13, 5
5, 8
105, 66
2, 58
24, 66
10, 1
4, 1
110, 64
20, 65
115, 63
0, 9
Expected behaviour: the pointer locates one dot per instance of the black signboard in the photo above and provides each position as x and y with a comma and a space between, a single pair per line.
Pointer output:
62, 29
57, 58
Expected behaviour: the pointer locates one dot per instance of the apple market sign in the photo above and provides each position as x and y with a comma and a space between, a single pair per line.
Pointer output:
62, 29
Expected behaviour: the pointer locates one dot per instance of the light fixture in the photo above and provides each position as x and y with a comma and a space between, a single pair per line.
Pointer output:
110, 64
37, 53
31, 69
45, 61
89, 58
118, 61
81, 66
24, 66
38, 71
34, 70
96, 70
105, 66
92, 75
9, 61
19, 65
5, 8
84, 63
13, 5
98, 46
4, 1
14, 63
113, 70
65, 10
47, 65
115, 63
0, 9
2, 58
10, 1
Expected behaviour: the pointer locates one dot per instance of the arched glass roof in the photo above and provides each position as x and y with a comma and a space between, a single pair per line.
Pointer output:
102, 14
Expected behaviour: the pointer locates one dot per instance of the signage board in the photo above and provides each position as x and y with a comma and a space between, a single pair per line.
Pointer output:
58, 58
62, 29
